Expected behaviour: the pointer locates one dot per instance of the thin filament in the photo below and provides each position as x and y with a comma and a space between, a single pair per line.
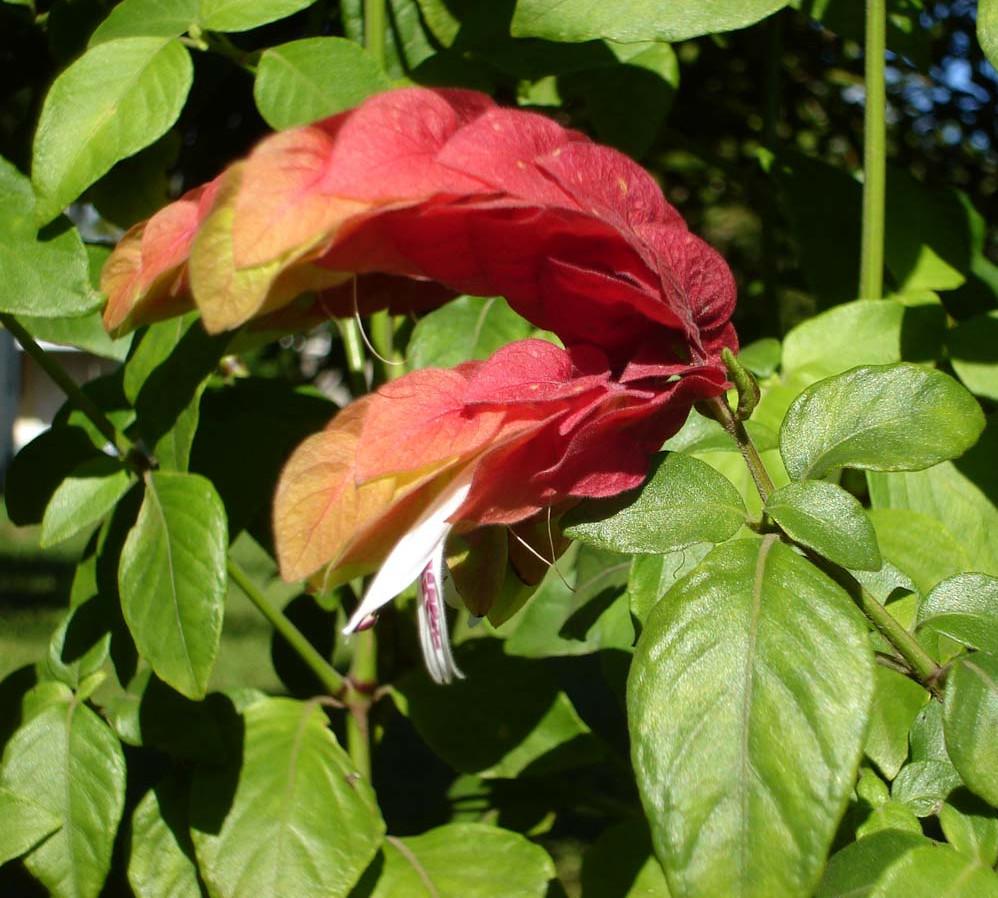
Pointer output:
363, 333
549, 562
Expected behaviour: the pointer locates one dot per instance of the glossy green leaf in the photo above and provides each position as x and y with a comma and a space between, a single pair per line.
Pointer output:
987, 29
290, 816
464, 860
515, 721
964, 608
25, 824
45, 275
635, 20
927, 740
970, 826
172, 579
933, 871
85, 497
970, 721
683, 502
824, 517
890, 816
961, 495
879, 417
161, 859
760, 663
621, 864
465, 328
762, 357
305, 80
853, 871
117, 98
864, 332
924, 785
70, 764
971, 350
147, 18
896, 702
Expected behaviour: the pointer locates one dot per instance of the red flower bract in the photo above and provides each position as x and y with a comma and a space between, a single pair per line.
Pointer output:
442, 186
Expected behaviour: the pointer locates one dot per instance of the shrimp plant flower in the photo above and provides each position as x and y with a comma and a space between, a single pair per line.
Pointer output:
415, 196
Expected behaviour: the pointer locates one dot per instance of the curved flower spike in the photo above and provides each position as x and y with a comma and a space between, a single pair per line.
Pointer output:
436, 185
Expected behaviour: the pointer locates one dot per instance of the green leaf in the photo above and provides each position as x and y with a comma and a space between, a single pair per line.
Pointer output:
172, 579
621, 864
824, 517
864, 332
652, 576
971, 349
305, 80
890, 816
762, 357
928, 743
161, 860
759, 662
578, 609
970, 826
515, 721
898, 417
37, 470
853, 871
896, 702
242, 15
464, 860
117, 98
918, 545
290, 815
80, 644
47, 277
635, 20
85, 497
924, 785
25, 824
933, 871
407, 43
70, 764
164, 380
465, 328
970, 721
964, 608
961, 495
147, 18
987, 29
683, 502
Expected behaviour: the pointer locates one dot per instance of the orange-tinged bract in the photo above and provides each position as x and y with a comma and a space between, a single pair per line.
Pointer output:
411, 198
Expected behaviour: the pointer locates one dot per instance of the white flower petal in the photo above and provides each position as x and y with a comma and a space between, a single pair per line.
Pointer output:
412, 552
432, 620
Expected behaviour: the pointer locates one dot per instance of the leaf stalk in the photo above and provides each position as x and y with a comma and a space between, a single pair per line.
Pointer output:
871, 271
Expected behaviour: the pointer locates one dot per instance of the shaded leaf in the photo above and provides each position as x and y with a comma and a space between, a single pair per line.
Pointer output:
896, 702
970, 826
290, 815
918, 545
621, 864
970, 721
971, 350
772, 682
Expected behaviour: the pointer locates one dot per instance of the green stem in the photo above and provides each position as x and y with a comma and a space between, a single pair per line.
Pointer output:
375, 22
871, 272
129, 452
331, 679
353, 348
760, 476
363, 682
921, 663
